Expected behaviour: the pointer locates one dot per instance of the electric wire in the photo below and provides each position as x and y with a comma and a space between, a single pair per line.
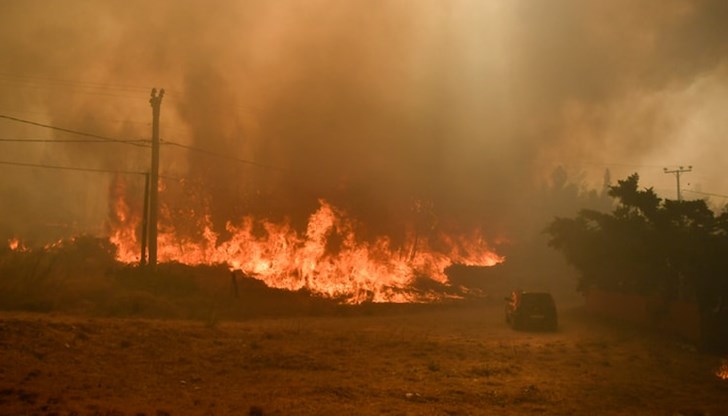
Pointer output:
87, 87
610, 164
222, 156
70, 168
137, 142
70, 83
32, 140
705, 193
147, 144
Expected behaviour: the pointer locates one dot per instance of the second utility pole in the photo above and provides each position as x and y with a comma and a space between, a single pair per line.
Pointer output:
156, 102
677, 173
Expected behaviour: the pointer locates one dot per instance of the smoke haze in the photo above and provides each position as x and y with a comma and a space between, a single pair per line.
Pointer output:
373, 105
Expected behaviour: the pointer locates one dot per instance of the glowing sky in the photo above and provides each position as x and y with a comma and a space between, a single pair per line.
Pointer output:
370, 103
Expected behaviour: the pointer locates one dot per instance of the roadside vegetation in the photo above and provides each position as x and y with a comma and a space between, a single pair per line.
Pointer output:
81, 276
650, 246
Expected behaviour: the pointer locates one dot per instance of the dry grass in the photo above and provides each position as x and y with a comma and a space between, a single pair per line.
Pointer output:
432, 360
83, 335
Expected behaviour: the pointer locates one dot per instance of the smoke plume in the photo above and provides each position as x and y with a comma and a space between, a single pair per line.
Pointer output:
377, 106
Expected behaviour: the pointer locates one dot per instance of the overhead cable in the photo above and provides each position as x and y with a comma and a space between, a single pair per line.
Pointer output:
73, 168
140, 143
222, 156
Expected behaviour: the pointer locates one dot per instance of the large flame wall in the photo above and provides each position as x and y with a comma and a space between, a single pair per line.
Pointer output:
328, 258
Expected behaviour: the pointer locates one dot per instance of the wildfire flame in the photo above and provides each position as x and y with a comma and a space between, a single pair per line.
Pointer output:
722, 371
16, 245
327, 259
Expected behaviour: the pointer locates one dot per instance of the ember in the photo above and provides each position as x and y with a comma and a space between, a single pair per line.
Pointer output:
722, 371
16, 245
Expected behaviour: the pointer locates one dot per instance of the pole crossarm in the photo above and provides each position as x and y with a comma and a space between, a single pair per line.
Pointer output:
679, 171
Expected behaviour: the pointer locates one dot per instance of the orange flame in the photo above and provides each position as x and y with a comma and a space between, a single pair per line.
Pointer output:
16, 245
328, 259
123, 224
722, 371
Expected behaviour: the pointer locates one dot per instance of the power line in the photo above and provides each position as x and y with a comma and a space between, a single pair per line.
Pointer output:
706, 193
222, 156
140, 143
88, 92
65, 141
608, 164
72, 168
105, 120
87, 87
71, 83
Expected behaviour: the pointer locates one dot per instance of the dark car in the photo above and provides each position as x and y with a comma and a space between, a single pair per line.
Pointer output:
531, 310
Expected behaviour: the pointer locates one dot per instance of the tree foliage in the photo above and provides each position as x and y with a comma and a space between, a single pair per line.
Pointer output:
651, 246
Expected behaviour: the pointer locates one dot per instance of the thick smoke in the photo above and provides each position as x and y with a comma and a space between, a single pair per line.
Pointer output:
373, 105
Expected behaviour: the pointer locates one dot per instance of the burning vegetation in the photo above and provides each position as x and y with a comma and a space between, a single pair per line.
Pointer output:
331, 258
722, 371
328, 258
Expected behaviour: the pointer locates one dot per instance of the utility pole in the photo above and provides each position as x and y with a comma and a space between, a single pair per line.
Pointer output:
156, 102
680, 170
145, 221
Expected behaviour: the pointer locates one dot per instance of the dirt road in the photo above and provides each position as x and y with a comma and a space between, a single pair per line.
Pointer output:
434, 360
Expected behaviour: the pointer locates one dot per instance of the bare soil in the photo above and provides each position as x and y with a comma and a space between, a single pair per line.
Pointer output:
458, 359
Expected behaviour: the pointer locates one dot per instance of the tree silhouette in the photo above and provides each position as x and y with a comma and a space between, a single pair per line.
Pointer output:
650, 246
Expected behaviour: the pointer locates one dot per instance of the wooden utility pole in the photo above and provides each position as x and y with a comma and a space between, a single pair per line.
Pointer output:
145, 221
156, 102
677, 173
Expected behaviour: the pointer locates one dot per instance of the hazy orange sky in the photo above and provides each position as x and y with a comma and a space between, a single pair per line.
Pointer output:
369, 103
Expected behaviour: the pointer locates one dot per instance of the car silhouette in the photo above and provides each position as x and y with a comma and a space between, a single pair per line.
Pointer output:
531, 310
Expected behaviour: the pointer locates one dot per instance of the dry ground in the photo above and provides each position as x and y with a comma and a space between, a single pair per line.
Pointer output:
426, 360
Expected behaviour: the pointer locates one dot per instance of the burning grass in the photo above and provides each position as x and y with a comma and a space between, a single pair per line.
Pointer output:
327, 262
82, 275
722, 371
329, 257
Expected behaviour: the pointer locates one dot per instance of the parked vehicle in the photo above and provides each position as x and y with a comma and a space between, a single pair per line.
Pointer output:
531, 310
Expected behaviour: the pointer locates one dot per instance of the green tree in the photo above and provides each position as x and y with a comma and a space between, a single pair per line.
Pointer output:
646, 245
